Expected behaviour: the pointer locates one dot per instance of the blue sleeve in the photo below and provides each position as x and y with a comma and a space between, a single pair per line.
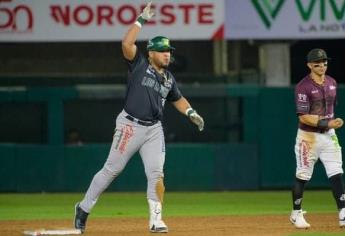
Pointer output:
137, 61
174, 93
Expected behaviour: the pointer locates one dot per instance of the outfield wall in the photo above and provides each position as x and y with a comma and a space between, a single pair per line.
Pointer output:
188, 167
263, 160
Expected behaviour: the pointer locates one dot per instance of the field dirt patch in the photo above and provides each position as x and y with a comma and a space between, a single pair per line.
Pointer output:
211, 225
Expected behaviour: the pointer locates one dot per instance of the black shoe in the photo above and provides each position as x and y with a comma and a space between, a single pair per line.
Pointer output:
80, 218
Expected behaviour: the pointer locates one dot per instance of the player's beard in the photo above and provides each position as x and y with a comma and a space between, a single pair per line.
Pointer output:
160, 63
164, 66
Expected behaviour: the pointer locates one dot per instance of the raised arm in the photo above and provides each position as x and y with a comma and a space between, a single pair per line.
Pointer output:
128, 42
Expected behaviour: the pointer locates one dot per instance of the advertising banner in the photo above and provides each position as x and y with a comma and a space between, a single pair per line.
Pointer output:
108, 20
285, 19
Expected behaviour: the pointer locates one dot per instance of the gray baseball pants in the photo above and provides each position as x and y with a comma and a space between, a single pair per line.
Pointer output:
130, 137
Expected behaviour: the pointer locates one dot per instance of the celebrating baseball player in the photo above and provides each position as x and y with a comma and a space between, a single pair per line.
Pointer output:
315, 98
138, 126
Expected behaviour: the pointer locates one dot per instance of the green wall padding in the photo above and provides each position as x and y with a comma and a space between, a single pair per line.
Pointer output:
265, 159
188, 167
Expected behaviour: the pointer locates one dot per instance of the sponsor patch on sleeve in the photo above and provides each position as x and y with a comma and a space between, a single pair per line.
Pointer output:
302, 97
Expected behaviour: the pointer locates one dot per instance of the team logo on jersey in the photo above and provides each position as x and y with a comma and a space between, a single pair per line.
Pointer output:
168, 82
332, 87
163, 100
150, 82
164, 91
162, 87
302, 97
166, 86
150, 71
314, 91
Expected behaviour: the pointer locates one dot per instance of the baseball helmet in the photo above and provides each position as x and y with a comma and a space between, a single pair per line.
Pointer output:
159, 44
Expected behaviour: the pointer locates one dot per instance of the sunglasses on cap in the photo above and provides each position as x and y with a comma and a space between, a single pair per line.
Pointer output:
319, 64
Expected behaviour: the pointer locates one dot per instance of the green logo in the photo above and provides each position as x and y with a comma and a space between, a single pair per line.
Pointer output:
268, 10
165, 42
337, 7
335, 141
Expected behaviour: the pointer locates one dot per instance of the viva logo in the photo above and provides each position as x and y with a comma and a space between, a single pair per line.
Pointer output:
268, 10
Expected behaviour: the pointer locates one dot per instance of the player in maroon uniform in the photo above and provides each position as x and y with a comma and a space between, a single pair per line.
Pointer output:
315, 98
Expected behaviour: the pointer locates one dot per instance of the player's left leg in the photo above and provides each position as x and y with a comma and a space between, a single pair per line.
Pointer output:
153, 156
331, 157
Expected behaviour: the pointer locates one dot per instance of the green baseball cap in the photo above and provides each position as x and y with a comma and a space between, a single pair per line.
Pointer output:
159, 44
317, 54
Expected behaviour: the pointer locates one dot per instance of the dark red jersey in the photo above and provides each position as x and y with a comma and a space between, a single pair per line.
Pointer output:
315, 99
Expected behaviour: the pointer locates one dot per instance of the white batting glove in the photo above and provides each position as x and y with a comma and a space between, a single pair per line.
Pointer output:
195, 118
147, 13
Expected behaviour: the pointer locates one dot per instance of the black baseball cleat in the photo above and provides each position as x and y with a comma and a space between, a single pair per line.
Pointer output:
80, 218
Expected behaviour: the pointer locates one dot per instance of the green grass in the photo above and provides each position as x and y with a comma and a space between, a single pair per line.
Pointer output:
60, 206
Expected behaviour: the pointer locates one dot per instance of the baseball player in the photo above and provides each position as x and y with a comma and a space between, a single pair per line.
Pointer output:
315, 97
138, 126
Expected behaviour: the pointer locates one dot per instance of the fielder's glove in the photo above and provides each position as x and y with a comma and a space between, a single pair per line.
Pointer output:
195, 118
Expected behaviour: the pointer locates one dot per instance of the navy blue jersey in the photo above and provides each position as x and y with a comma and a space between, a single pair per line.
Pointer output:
147, 90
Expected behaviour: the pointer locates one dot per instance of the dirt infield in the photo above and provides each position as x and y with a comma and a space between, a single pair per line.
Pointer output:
227, 225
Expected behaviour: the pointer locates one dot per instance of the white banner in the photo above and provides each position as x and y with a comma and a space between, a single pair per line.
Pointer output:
285, 19
107, 20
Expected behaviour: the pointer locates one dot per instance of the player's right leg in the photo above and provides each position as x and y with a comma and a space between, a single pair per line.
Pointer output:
297, 214
126, 141
306, 156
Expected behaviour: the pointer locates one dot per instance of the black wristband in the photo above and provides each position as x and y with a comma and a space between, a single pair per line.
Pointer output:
189, 111
322, 124
141, 20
